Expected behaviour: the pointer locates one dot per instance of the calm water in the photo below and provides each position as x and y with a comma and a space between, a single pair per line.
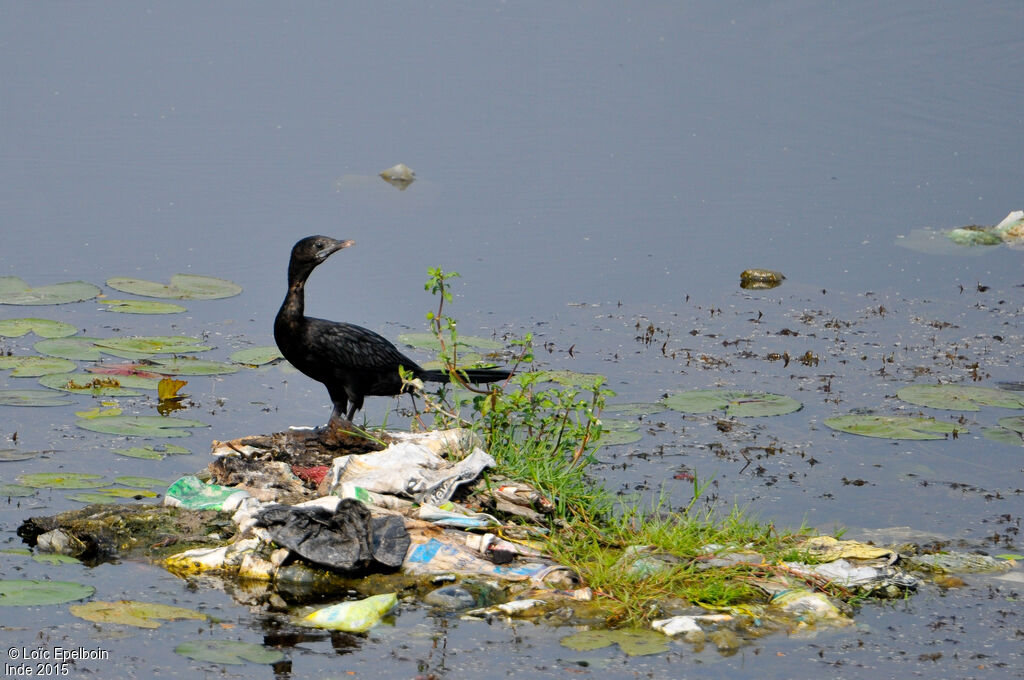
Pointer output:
585, 167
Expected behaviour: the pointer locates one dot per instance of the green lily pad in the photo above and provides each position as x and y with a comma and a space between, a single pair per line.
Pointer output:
142, 307
93, 498
25, 593
31, 366
32, 398
141, 426
1003, 436
632, 641
733, 402
61, 480
98, 412
141, 482
190, 366
156, 344
81, 349
256, 356
44, 328
16, 491
635, 409
156, 452
894, 427
55, 558
1010, 431
960, 397
228, 652
1015, 423
11, 455
570, 378
133, 613
619, 437
110, 495
429, 341
616, 431
14, 291
98, 385
182, 287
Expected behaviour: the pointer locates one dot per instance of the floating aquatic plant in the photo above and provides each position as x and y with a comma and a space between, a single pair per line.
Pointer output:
181, 287
44, 328
32, 398
27, 593
733, 402
31, 366
142, 307
141, 426
133, 613
960, 397
256, 356
14, 291
894, 427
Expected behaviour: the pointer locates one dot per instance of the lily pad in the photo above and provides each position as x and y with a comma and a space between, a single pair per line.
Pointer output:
894, 427
99, 412
80, 348
98, 385
635, 409
733, 402
429, 341
55, 558
94, 498
619, 437
632, 641
10, 455
1015, 423
141, 426
111, 495
133, 613
140, 370
256, 356
141, 482
156, 344
32, 398
61, 480
14, 291
616, 431
960, 397
190, 366
16, 491
31, 366
26, 593
142, 307
44, 328
182, 287
570, 378
156, 452
1010, 431
228, 652
1003, 436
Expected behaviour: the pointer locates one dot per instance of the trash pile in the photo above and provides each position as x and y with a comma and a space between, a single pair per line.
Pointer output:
415, 518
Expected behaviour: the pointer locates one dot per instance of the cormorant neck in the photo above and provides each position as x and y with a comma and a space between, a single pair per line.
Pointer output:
293, 307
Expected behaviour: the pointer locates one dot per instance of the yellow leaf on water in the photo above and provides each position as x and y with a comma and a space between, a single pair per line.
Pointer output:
168, 388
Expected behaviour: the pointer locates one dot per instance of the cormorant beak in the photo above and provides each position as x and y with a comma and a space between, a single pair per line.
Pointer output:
334, 247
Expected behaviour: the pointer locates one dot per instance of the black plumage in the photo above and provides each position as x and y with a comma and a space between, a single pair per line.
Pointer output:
351, 361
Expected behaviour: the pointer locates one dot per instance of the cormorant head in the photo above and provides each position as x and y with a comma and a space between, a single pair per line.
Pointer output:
311, 251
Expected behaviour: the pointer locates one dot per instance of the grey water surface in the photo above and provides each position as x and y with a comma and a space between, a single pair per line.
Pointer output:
592, 170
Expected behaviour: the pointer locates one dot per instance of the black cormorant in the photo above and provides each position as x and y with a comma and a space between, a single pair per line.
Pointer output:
351, 361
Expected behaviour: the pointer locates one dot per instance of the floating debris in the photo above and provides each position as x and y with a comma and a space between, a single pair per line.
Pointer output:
400, 176
760, 279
